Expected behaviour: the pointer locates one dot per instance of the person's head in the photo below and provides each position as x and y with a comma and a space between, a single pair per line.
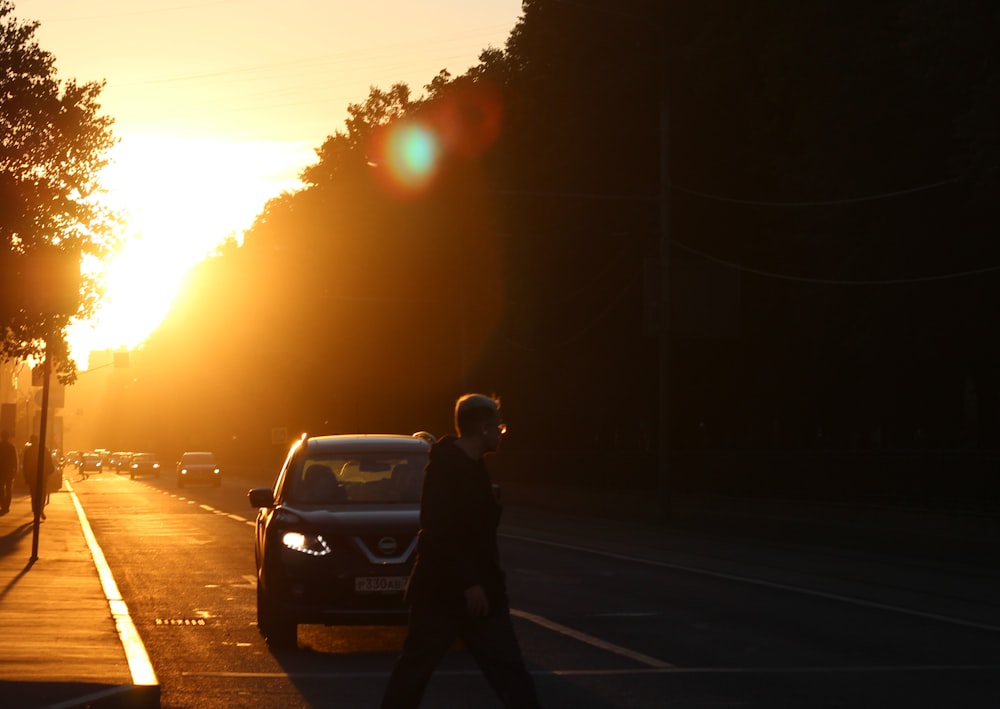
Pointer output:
477, 418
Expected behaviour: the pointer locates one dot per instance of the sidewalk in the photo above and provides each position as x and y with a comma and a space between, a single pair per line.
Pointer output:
59, 646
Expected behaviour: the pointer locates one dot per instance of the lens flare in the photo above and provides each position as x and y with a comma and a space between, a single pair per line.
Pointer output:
413, 154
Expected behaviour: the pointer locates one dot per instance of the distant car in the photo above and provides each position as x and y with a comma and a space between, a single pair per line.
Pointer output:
143, 464
337, 534
198, 466
121, 462
90, 463
105, 457
71, 458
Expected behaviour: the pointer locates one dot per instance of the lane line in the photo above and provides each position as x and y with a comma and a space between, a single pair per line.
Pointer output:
888, 669
135, 652
767, 584
591, 640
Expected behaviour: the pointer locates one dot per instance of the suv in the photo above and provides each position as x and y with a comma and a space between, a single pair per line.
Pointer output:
337, 534
198, 466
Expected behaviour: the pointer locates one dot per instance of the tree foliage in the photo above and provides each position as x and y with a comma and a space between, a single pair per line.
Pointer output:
831, 173
54, 145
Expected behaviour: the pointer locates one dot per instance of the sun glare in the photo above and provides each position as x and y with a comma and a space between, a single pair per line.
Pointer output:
181, 199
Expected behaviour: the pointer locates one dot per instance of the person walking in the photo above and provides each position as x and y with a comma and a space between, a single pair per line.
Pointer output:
29, 466
8, 471
457, 588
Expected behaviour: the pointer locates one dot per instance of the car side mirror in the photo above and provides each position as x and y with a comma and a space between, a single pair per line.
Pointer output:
261, 497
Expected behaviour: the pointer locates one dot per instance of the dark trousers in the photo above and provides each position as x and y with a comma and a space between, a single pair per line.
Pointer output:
37, 502
491, 642
6, 491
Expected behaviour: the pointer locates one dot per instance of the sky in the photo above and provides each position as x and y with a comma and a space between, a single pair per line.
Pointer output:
219, 105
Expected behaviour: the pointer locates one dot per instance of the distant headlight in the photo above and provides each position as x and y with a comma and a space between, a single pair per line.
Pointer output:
216, 471
308, 543
184, 471
155, 466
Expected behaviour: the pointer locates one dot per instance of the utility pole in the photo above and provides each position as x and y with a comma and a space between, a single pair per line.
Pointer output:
40, 471
663, 354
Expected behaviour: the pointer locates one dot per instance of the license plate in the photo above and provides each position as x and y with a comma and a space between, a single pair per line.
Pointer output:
379, 584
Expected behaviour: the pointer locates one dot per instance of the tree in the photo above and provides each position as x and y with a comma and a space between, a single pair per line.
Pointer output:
344, 151
54, 144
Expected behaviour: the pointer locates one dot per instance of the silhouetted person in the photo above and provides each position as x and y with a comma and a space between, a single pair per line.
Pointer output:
457, 588
8, 471
29, 464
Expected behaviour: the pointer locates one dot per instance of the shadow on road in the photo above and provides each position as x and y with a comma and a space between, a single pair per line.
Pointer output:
353, 663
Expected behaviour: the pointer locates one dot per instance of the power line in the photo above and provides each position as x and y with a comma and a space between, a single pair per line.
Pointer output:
732, 200
834, 281
816, 203
401, 50
148, 11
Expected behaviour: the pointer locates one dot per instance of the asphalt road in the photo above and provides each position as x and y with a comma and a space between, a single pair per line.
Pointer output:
609, 615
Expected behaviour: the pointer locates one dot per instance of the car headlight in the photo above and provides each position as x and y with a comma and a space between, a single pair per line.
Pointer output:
308, 543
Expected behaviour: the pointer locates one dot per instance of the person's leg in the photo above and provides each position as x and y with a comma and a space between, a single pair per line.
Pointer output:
428, 638
494, 646
6, 492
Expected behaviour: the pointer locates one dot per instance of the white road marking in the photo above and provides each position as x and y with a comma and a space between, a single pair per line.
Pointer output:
767, 584
886, 669
207, 508
238, 518
591, 640
135, 652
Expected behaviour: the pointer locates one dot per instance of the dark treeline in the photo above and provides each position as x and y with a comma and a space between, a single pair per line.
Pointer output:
834, 265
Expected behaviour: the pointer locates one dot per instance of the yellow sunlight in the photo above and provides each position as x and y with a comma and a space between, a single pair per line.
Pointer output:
181, 198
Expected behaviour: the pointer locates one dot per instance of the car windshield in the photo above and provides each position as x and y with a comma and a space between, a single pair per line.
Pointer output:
365, 478
144, 458
198, 459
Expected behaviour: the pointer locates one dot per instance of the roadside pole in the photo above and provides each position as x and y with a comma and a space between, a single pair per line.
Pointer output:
40, 474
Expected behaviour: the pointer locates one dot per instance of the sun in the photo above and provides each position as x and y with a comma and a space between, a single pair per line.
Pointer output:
181, 198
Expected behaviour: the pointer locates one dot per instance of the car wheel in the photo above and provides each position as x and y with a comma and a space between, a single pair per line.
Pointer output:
277, 630
131, 476
217, 482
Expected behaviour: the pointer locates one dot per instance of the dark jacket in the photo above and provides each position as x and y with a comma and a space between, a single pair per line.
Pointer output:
457, 545
8, 459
